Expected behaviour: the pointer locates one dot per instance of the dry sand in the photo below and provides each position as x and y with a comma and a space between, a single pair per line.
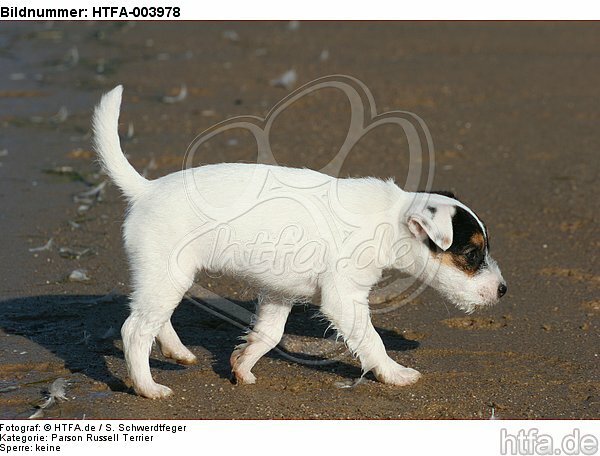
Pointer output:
513, 109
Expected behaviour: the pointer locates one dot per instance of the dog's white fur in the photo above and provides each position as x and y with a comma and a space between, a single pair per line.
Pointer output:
292, 232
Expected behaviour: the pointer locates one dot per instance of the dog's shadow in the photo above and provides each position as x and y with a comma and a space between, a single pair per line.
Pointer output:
84, 331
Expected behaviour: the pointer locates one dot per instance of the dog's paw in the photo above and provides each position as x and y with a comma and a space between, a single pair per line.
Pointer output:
242, 374
186, 358
243, 377
234, 359
395, 374
154, 391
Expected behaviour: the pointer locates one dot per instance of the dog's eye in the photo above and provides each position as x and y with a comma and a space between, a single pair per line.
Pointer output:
472, 256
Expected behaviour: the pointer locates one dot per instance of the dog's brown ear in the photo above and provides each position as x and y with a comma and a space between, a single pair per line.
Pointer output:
433, 221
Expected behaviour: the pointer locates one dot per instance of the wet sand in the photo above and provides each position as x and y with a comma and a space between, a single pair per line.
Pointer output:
513, 112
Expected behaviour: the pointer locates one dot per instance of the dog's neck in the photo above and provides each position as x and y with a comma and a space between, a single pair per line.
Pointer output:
409, 254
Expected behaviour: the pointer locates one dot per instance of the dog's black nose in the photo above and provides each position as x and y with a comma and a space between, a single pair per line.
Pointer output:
502, 290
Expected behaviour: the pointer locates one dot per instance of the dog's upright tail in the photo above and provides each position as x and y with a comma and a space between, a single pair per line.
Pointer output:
106, 142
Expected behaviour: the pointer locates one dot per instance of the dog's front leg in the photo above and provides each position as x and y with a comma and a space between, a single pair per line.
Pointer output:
346, 306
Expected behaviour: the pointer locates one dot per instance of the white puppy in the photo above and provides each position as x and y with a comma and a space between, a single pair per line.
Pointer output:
293, 233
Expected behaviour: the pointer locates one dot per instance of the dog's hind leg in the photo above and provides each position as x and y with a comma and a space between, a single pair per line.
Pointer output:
171, 346
154, 298
263, 337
